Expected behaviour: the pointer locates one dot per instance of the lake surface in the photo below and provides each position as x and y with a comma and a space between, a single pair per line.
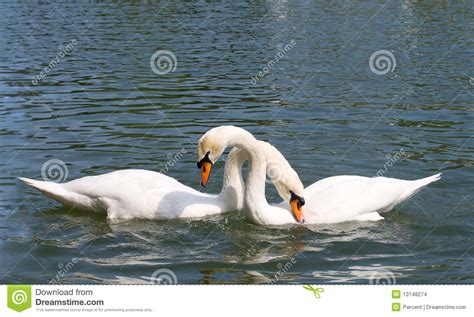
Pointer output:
298, 74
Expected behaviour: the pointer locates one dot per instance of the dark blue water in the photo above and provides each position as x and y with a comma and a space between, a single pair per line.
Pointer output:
297, 74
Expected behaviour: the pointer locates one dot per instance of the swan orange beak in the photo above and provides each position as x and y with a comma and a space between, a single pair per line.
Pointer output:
206, 171
205, 165
297, 203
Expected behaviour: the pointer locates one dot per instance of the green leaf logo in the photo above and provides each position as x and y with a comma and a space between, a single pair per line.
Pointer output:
19, 297
316, 291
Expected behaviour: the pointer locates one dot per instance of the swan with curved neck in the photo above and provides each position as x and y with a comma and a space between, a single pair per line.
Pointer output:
330, 200
212, 145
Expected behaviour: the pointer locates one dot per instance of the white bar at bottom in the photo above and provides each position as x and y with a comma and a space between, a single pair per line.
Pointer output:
243, 300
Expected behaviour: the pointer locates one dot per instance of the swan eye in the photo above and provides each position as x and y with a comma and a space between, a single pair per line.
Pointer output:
302, 202
205, 159
300, 199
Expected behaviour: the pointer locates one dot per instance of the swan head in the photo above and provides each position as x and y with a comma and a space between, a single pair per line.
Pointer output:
285, 179
296, 203
211, 146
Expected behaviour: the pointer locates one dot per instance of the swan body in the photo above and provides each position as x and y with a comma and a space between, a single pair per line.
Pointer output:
135, 193
357, 198
330, 200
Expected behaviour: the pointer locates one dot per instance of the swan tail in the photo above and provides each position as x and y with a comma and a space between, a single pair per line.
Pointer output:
418, 184
55, 191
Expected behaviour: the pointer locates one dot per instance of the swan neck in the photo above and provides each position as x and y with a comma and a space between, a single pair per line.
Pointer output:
233, 185
255, 187
233, 168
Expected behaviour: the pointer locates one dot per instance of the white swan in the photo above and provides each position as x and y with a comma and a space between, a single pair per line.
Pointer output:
331, 200
134, 193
